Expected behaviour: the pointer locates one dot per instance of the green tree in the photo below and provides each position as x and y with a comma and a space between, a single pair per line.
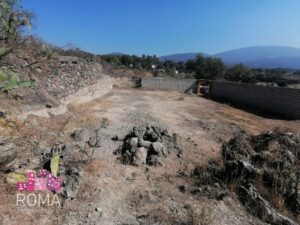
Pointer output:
214, 68
240, 73
240, 69
13, 18
113, 59
205, 67
126, 60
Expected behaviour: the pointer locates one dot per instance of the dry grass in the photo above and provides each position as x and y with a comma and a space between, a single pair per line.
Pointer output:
155, 189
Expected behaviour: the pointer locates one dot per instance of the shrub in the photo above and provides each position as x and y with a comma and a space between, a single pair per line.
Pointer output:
12, 19
2, 52
10, 80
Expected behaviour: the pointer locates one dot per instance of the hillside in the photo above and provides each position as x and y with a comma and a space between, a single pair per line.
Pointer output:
263, 57
255, 57
181, 57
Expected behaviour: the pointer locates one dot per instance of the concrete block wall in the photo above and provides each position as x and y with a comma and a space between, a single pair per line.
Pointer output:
276, 101
169, 84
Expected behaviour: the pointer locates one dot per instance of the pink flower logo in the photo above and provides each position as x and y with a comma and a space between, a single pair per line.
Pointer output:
43, 181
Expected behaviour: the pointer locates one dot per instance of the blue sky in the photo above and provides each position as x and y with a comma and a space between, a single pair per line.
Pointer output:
166, 26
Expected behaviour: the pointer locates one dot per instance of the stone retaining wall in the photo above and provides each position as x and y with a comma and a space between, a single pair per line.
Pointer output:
102, 87
67, 75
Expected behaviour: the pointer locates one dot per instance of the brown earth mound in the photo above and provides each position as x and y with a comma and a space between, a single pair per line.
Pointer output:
264, 172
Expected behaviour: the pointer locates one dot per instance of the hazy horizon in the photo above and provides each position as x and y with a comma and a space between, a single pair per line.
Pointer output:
167, 27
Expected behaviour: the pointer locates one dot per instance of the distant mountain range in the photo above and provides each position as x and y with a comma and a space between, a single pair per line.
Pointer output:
181, 57
255, 57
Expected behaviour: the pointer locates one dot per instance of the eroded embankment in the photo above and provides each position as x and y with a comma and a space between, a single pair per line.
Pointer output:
102, 87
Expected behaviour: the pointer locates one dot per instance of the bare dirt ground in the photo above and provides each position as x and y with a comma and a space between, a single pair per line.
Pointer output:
114, 193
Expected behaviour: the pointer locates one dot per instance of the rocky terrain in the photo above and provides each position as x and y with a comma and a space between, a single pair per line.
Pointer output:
53, 76
130, 156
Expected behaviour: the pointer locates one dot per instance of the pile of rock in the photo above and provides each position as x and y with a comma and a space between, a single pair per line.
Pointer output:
144, 145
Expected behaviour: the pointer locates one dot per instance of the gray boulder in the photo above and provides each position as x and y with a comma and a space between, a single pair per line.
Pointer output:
139, 157
157, 129
143, 143
157, 148
153, 136
139, 131
153, 160
133, 142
